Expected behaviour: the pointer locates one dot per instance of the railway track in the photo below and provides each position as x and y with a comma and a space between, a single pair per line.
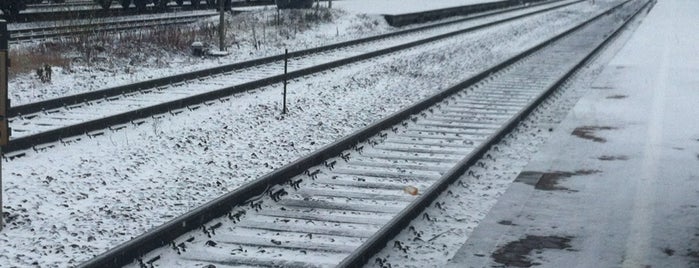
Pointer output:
63, 120
73, 12
65, 4
20, 33
92, 4
341, 204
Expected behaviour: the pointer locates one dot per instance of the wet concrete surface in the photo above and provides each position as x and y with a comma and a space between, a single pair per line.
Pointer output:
619, 174
634, 202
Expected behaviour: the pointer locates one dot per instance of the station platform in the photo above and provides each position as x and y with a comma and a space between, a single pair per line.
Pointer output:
618, 183
397, 7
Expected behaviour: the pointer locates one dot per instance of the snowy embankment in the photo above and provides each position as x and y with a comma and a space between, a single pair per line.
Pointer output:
69, 203
102, 65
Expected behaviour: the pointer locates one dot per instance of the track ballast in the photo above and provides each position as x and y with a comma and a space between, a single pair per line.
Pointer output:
59, 121
341, 203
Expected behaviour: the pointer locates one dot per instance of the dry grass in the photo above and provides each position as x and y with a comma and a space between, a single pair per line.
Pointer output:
263, 28
138, 47
28, 61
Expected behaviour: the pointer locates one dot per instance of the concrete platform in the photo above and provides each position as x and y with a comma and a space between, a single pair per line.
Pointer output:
618, 183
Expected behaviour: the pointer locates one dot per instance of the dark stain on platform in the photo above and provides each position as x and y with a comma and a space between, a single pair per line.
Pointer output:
506, 222
694, 255
528, 177
618, 97
613, 157
588, 133
549, 181
669, 251
515, 253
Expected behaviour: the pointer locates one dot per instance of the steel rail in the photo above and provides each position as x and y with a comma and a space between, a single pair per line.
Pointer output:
85, 14
64, 4
164, 234
113, 91
127, 117
118, 11
378, 241
68, 30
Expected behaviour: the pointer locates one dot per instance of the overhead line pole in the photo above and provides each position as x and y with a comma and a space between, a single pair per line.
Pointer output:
4, 103
220, 24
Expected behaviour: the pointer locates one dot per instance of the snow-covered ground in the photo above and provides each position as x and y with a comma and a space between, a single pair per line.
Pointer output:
115, 63
69, 203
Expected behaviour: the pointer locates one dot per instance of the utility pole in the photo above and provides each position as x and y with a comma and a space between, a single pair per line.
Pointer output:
220, 24
4, 103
